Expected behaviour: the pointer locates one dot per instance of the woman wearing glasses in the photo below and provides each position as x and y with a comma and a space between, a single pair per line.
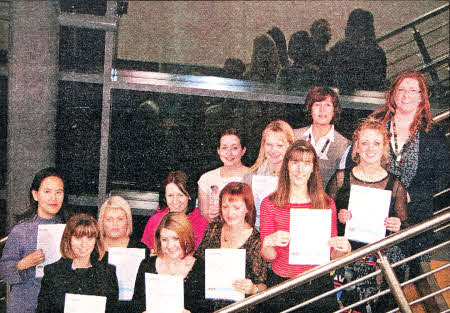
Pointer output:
419, 151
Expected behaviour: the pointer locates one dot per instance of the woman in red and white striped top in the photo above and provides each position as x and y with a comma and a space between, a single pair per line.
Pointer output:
299, 187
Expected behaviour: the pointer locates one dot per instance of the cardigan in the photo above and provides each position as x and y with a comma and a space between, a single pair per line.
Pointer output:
198, 223
335, 151
22, 240
59, 279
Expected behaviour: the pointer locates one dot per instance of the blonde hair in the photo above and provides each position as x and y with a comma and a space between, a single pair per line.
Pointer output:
118, 203
277, 126
81, 225
423, 118
371, 123
180, 224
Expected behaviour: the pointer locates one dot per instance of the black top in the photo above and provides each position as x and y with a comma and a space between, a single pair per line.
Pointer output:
255, 266
133, 243
59, 279
194, 287
126, 306
339, 189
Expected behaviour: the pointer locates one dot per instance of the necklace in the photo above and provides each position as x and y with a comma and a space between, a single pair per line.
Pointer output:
398, 153
377, 176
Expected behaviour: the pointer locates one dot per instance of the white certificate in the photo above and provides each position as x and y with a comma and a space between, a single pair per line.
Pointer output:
369, 207
49, 239
127, 261
164, 293
262, 186
222, 268
310, 231
83, 303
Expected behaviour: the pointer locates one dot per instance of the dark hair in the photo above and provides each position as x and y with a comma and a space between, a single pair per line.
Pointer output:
180, 224
319, 93
300, 48
298, 150
244, 192
360, 26
233, 68
31, 211
81, 225
235, 132
181, 180
265, 63
280, 41
318, 30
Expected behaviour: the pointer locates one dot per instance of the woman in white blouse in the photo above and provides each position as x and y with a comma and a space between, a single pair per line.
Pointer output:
231, 148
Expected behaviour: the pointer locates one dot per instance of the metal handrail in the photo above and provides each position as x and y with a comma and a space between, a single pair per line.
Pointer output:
332, 266
416, 21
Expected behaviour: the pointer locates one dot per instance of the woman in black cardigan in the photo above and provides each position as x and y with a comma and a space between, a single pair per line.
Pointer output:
79, 270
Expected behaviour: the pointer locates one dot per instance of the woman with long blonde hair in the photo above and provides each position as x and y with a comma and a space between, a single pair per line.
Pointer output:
276, 138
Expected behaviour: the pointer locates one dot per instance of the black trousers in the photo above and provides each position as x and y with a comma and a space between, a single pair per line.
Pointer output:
300, 294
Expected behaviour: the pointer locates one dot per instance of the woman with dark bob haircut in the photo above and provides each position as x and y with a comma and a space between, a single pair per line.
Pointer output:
235, 229
174, 247
79, 270
20, 257
299, 187
323, 109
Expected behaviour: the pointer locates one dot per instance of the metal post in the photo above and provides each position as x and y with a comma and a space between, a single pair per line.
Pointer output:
110, 46
393, 283
425, 55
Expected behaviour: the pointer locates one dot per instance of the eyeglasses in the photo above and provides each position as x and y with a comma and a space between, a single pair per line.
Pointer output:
411, 92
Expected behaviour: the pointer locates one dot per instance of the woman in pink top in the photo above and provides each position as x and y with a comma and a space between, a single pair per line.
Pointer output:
177, 198
299, 187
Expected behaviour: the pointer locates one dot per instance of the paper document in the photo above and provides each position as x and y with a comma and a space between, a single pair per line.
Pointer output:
262, 186
222, 268
84, 303
127, 261
49, 239
310, 231
369, 208
164, 293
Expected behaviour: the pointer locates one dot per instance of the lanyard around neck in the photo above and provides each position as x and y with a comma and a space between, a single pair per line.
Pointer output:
324, 146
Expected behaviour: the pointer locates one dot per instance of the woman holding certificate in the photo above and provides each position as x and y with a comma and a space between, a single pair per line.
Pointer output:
121, 249
370, 152
20, 257
231, 149
235, 229
176, 197
300, 193
263, 176
182, 274
79, 273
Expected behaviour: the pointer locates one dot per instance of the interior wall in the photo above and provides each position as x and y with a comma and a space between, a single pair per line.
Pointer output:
209, 32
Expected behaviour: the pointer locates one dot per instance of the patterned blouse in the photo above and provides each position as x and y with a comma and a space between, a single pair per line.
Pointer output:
255, 265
